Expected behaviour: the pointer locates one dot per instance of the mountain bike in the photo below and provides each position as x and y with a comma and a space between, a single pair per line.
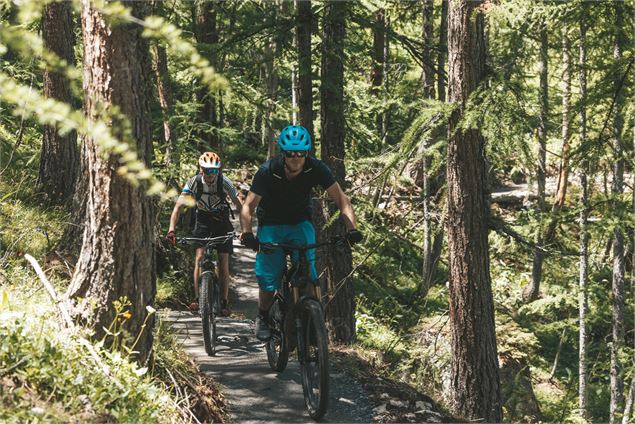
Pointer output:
297, 321
209, 286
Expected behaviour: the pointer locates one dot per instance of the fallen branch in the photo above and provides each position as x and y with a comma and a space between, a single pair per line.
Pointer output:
66, 318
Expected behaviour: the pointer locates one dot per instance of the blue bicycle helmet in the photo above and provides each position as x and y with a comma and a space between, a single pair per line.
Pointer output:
294, 138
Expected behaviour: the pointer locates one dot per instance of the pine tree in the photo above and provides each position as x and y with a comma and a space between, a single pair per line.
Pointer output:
117, 256
475, 382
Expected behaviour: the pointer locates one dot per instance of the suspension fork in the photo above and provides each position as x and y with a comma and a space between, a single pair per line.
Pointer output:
295, 293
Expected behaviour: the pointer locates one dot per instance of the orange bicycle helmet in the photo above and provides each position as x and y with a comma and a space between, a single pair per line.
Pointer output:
209, 160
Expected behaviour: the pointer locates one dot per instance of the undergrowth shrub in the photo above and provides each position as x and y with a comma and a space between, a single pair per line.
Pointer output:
46, 373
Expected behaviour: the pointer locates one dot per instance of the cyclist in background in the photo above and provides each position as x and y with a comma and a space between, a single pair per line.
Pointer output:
209, 189
281, 190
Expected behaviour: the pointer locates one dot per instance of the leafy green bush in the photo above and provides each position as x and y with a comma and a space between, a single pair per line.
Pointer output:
46, 373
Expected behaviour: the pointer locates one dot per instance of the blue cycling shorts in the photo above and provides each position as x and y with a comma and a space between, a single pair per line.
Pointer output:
270, 267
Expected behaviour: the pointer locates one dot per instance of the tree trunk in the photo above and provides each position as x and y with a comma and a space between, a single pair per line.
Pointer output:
532, 291
164, 90
427, 77
59, 159
617, 189
340, 312
427, 81
377, 52
584, 236
385, 114
443, 50
378, 55
206, 33
563, 174
117, 257
304, 20
475, 382
271, 75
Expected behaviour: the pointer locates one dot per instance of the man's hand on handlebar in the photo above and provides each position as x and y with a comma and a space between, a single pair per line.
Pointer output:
171, 238
250, 241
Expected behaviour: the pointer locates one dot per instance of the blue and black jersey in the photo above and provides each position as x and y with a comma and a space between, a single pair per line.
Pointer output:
288, 201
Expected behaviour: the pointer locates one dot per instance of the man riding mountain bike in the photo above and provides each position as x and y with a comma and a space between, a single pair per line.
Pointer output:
281, 190
209, 189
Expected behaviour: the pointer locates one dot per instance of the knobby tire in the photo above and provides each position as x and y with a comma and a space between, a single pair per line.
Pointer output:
315, 367
277, 346
208, 314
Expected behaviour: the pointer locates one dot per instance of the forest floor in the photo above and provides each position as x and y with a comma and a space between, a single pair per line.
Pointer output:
255, 393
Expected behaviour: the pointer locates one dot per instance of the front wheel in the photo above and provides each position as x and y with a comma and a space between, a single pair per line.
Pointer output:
208, 314
314, 363
277, 346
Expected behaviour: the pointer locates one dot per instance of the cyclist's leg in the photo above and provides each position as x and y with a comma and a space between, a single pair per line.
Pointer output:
202, 228
269, 266
198, 258
224, 250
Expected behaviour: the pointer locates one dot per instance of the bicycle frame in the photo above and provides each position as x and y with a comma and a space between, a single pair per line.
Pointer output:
297, 277
209, 293
295, 310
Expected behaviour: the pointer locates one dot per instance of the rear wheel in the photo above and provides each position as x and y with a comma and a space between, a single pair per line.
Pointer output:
208, 314
315, 365
277, 347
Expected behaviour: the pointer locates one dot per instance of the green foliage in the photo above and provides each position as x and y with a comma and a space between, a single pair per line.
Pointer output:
48, 374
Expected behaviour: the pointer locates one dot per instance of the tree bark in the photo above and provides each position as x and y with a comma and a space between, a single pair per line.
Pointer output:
271, 76
304, 24
427, 81
443, 50
427, 76
59, 159
377, 52
617, 189
117, 256
340, 312
475, 381
532, 291
584, 237
164, 90
563, 173
206, 33
378, 68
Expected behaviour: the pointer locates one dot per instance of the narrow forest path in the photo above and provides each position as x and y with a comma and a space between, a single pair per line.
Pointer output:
254, 392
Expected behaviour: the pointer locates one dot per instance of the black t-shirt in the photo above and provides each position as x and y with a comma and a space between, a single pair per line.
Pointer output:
288, 201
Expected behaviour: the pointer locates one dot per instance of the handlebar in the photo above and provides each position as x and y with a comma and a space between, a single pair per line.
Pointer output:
333, 241
211, 241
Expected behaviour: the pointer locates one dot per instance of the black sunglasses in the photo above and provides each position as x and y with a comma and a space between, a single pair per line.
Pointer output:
210, 171
300, 154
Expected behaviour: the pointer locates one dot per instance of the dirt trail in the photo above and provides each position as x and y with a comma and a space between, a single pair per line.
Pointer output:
254, 392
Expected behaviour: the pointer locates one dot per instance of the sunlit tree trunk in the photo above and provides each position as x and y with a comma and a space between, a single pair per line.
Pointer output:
117, 256
474, 379
59, 159
340, 312
164, 91
617, 189
563, 174
532, 291
584, 237
427, 82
